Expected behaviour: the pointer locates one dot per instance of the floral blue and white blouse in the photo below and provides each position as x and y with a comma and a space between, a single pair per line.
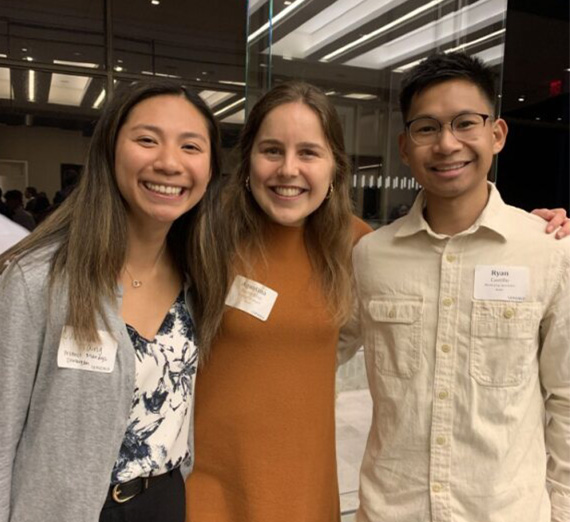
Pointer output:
156, 440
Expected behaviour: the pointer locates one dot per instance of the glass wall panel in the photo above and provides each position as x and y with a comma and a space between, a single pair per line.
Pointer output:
356, 51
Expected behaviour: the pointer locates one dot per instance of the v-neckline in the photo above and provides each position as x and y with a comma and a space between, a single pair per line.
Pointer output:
169, 311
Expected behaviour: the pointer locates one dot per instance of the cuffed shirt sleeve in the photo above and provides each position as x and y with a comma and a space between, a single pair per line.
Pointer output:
555, 378
20, 342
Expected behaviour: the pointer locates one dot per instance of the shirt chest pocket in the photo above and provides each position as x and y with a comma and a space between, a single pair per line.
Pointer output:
396, 334
503, 341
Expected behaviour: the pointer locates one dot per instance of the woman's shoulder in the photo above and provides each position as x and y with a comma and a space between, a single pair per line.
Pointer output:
31, 268
359, 228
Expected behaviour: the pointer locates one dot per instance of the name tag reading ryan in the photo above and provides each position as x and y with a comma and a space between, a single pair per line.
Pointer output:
251, 297
96, 357
501, 283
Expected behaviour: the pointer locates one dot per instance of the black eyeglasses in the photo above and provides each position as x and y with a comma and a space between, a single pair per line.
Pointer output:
467, 126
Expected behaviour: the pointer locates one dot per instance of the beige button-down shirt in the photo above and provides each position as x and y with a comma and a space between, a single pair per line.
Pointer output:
470, 377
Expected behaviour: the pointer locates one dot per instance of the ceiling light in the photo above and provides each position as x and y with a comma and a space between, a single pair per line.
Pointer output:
118, 68
330, 93
278, 17
360, 96
230, 82
31, 85
76, 64
558, 119
537, 118
155, 2
99, 99
28, 59
475, 42
287, 2
464, 46
5, 84
521, 98
230, 106
67, 89
3, 56
381, 30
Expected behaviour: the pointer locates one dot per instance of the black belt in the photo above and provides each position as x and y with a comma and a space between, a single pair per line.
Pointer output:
123, 492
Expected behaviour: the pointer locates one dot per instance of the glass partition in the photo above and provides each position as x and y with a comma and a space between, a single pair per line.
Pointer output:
356, 51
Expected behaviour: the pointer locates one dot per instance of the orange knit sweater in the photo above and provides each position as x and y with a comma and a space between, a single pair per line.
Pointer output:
264, 410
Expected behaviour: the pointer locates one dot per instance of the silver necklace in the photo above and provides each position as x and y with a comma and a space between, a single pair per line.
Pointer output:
135, 283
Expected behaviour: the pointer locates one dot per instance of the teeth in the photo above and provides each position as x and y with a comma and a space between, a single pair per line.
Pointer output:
451, 167
288, 191
163, 189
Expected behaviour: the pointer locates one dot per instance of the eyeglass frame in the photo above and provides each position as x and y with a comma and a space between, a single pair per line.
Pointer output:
450, 123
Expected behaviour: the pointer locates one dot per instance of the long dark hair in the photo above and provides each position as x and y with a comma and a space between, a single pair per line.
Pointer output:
89, 229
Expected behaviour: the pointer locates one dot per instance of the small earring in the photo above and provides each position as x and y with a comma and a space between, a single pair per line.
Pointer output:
330, 192
247, 187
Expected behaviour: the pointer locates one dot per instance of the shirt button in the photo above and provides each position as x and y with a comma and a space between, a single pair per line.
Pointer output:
392, 314
436, 488
443, 395
508, 313
445, 348
450, 258
447, 301
441, 440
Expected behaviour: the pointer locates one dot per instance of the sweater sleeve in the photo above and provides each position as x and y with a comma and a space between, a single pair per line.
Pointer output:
20, 345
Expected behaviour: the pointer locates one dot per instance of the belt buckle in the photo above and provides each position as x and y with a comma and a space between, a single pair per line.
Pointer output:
116, 492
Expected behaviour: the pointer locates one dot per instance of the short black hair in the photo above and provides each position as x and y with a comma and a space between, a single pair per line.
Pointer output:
442, 67
14, 195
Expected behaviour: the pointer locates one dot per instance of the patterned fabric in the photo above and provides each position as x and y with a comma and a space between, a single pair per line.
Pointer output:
156, 439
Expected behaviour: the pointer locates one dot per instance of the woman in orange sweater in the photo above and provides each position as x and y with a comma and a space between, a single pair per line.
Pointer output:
264, 412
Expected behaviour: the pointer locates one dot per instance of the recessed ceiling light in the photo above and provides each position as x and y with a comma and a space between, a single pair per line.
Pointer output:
29, 59
99, 99
31, 86
537, 118
558, 119
24, 49
155, 2
118, 68
119, 61
521, 98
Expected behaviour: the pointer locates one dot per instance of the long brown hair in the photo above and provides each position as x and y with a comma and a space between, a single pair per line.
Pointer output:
89, 229
241, 229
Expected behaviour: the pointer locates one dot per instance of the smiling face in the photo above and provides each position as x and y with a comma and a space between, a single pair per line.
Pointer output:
292, 164
451, 168
162, 160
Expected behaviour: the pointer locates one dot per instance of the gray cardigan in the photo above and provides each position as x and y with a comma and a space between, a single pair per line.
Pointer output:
61, 429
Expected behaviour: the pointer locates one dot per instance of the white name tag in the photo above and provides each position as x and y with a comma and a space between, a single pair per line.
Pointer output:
501, 283
251, 297
98, 357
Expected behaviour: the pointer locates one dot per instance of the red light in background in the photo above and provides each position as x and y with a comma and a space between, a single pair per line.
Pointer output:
555, 87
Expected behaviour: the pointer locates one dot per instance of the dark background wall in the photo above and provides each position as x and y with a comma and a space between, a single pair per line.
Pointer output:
534, 168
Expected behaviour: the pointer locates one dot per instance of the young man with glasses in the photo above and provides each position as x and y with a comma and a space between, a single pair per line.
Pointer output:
464, 312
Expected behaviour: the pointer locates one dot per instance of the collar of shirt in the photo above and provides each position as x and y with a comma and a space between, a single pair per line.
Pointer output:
490, 218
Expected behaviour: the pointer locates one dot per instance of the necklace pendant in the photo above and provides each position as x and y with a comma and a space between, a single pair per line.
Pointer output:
136, 283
